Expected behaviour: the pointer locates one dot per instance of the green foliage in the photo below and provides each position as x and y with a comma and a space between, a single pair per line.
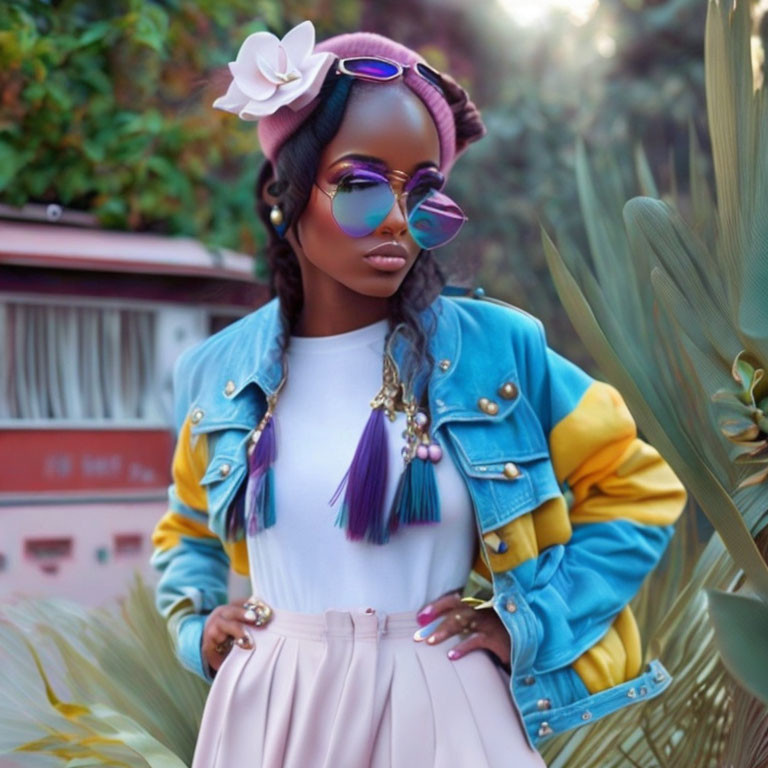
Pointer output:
539, 89
671, 303
95, 687
106, 107
741, 625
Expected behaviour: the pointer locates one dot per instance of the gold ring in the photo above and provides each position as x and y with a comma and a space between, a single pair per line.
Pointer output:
463, 623
225, 646
257, 611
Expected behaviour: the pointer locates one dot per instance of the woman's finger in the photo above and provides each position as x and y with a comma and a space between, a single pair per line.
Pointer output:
451, 624
223, 628
473, 642
444, 603
237, 612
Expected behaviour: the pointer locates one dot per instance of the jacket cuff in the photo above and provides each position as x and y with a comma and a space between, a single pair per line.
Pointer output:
525, 629
189, 645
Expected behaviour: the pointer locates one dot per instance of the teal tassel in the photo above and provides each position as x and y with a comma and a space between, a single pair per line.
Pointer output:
416, 499
262, 504
267, 511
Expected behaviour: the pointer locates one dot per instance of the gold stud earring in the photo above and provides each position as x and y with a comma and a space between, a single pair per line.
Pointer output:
276, 215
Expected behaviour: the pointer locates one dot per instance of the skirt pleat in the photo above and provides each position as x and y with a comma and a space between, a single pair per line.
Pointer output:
351, 689
412, 737
461, 741
279, 709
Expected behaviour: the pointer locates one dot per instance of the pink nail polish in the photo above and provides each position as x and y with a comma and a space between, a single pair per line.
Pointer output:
453, 654
424, 615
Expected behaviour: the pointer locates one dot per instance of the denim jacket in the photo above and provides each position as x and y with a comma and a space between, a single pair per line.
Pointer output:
573, 509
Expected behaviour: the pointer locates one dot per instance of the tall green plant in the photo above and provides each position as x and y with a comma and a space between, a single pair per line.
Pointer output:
675, 313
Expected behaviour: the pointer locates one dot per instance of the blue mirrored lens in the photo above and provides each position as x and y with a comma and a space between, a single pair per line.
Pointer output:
371, 68
435, 221
362, 201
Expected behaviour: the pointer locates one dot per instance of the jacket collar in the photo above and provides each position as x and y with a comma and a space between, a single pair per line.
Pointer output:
263, 365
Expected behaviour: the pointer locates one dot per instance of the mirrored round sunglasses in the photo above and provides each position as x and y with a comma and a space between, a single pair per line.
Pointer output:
362, 199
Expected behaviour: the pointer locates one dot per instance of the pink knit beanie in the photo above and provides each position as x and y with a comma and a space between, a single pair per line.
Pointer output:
275, 129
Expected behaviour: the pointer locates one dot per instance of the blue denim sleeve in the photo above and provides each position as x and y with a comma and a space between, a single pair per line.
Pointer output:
193, 563
623, 501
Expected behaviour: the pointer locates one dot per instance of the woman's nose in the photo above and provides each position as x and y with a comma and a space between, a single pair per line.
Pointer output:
397, 218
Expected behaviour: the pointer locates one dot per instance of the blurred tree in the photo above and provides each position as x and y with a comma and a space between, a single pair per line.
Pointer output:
106, 106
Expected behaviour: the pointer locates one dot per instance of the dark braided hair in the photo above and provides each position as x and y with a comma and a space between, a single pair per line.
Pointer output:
296, 170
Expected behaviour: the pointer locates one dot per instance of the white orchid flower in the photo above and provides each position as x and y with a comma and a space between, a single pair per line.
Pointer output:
269, 73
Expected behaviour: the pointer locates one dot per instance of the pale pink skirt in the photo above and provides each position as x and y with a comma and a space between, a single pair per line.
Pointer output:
350, 689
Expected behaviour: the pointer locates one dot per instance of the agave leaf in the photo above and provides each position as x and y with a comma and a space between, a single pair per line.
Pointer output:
729, 87
741, 626
704, 212
680, 451
756, 479
128, 701
655, 226
644, 173
747, 743
97, 733
738, 123
703, 307
674, 194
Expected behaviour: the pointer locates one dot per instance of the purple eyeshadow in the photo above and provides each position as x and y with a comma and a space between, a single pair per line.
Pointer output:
357, 167
370, 170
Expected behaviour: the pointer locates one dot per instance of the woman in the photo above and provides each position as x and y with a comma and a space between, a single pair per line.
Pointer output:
332, 445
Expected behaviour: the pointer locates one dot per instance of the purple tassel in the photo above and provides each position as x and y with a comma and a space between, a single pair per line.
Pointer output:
236, 514
259, 501
362, 512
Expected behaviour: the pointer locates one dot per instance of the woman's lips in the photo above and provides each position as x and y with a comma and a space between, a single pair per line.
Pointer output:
386, 263
388, 257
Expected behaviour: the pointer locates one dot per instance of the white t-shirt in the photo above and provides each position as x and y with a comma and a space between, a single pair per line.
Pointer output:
305, 562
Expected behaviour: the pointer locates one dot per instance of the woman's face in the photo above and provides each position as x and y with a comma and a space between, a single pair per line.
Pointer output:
390, 125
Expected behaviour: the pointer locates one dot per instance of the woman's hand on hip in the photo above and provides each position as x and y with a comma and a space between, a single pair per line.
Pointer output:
483, 628
225, 626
